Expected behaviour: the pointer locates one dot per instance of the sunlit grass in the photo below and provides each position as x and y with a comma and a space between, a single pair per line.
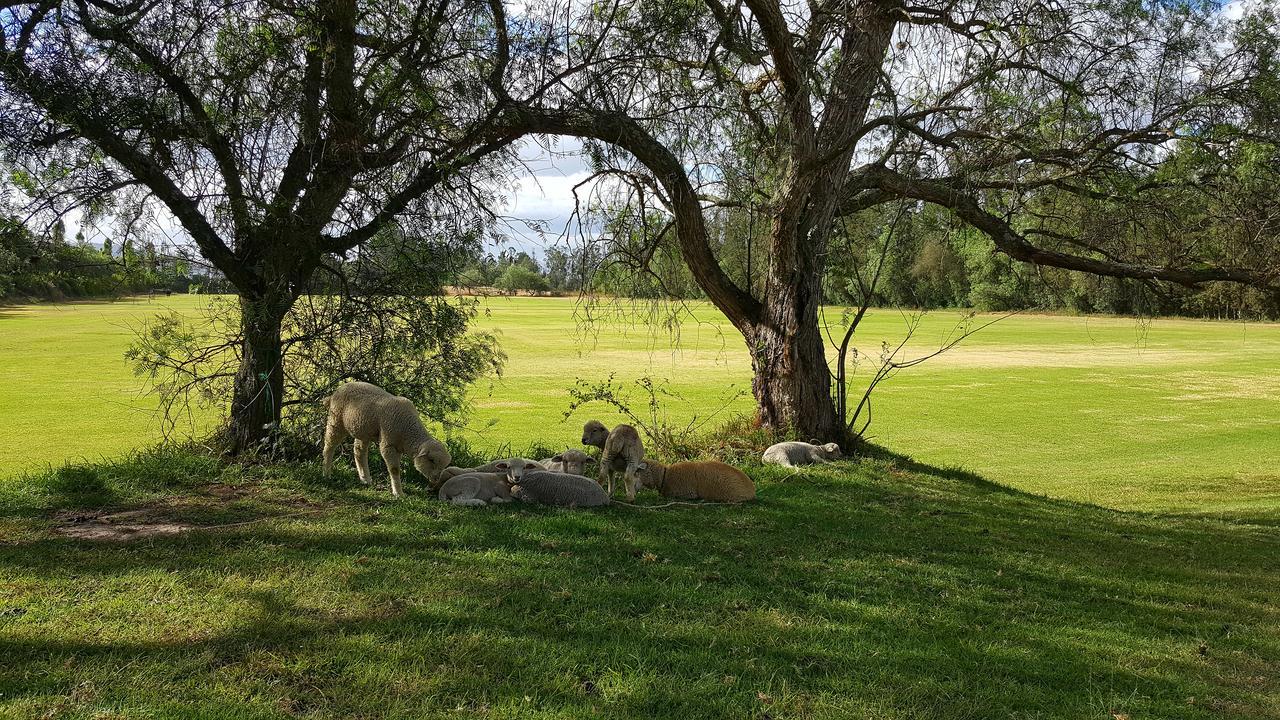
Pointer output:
1170, 415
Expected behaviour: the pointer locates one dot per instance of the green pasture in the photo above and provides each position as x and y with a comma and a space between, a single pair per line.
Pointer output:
1168, 415
871, 589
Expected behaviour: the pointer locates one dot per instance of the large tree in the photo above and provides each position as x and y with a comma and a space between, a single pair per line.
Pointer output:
274, 133
804, 114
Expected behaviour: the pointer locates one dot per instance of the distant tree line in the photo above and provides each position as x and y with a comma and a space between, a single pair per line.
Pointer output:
51, 267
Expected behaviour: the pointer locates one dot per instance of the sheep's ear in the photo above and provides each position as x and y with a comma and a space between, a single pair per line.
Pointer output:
590, 461
530, 466
558, 458
503, 466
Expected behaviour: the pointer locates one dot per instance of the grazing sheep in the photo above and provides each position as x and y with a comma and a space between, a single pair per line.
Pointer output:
367, 413
791, 454
620, 451
706, 480
573, 462
560, 489
477, 489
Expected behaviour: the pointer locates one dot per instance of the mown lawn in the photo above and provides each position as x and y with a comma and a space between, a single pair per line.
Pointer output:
878, 589
1175, 416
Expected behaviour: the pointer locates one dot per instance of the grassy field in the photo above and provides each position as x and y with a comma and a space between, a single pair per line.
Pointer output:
167, 584
1172, 416
876, 589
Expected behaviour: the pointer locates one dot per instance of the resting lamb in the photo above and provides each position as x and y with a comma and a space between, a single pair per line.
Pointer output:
704, 480
476, 489
367, 413
573, 462
791, 454
560, 489
498, 466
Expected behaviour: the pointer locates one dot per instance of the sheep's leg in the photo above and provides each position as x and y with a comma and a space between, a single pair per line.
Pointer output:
469, 502
362, 461
332, 439
629, 480
392, 457
606, 474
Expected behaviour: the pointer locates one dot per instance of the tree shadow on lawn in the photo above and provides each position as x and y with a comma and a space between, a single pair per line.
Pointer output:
850, 590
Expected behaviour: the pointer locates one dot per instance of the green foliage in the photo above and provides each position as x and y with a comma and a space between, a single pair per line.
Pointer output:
51, 268
416, 346
662, 436
518, 277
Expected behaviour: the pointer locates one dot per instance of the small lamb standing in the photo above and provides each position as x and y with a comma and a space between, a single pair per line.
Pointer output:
620, 451
367, 413
476, 489
573, 462
560, 489
792, 454
704, 480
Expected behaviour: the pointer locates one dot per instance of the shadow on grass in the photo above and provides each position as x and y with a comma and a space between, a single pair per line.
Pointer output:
858, 589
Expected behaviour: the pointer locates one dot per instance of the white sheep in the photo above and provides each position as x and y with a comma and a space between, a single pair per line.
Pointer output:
367, 413
792, 454
573, 462
620, 451
477, 489
498, 466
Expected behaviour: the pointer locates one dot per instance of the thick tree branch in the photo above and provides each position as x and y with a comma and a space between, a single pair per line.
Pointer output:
1014, 244
619, 130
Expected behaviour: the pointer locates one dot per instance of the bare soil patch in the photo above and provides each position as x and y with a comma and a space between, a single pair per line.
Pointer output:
175, 515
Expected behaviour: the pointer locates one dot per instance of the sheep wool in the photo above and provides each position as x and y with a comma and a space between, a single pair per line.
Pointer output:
368, 413
560, 489
492, 467
476, 489
703, 480
572, 462
791, 454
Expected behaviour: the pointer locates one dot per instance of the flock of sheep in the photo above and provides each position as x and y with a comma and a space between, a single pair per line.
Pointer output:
368, 413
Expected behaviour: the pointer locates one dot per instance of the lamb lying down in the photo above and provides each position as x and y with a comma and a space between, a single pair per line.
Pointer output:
476, 489
709, 480
498, 466
791, 454
560, 489
573, 462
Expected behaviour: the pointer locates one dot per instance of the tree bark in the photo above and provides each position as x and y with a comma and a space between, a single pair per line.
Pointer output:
259, 382
791, 383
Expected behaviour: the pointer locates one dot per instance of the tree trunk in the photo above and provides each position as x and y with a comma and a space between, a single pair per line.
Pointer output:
259, 382
792, 384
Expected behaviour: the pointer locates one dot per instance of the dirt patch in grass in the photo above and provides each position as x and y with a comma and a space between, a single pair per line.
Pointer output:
210, 507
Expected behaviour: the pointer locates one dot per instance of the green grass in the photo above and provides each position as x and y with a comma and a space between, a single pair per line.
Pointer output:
883, 588
879, 589
1172, 416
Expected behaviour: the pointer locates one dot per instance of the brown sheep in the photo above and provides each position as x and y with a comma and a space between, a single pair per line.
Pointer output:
703, 480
